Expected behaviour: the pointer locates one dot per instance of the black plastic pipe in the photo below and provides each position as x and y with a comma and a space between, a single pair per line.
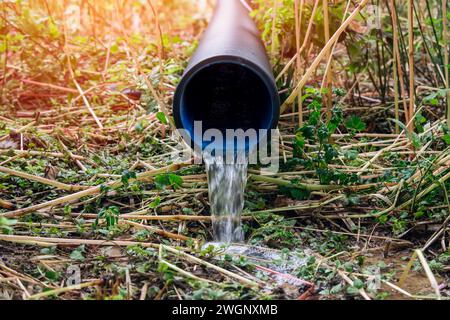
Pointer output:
228, 83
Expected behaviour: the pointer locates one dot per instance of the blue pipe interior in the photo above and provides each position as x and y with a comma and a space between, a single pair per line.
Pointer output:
226, 96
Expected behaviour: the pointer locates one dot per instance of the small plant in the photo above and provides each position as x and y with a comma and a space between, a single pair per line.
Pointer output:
317, 132
6, 225
354, 124
78, 254
278, 230
168, 180
111, 216
127, 176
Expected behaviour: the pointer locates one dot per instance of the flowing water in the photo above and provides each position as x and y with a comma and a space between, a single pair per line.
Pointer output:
226, 184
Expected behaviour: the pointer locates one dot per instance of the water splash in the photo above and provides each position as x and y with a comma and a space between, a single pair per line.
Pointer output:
226, 185
281, 266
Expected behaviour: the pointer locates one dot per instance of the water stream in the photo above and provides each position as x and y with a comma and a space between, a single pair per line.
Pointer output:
226, 185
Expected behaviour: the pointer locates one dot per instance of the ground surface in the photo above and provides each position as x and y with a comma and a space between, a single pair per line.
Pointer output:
90, 192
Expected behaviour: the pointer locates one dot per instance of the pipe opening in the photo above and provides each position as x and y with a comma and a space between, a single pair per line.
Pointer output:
227, 96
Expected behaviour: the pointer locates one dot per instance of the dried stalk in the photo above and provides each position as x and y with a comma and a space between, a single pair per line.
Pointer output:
274, 25
446, 60
59, 291
88, 192
77, 85
322, 53
418, 254
304, 186
73, 242
160, 232
328, 71
230, 274
42, 180
298, 24
411, 64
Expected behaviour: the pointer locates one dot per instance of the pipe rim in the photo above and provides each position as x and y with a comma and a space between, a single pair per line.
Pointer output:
191, 72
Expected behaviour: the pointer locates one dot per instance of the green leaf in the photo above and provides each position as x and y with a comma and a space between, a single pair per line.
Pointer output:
52, 275
299, 140
48, 250
139, 127
3, 46
314, 116
336, 289
77, 255
293, 192
175, 181
299, 144
114, 48
330, 153
110, 214
323, 133
419, 121
446, 138
53, 30
155, 203
358, 284
336, 119
5, 225
308, 132
127, 176
350, 154
7, 222
353, 200
162, 181
354, 123
352, 291
340, 92
419, 214
411, 136
162, 117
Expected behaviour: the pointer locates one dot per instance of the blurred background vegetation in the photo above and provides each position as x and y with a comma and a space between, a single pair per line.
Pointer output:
85, 106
